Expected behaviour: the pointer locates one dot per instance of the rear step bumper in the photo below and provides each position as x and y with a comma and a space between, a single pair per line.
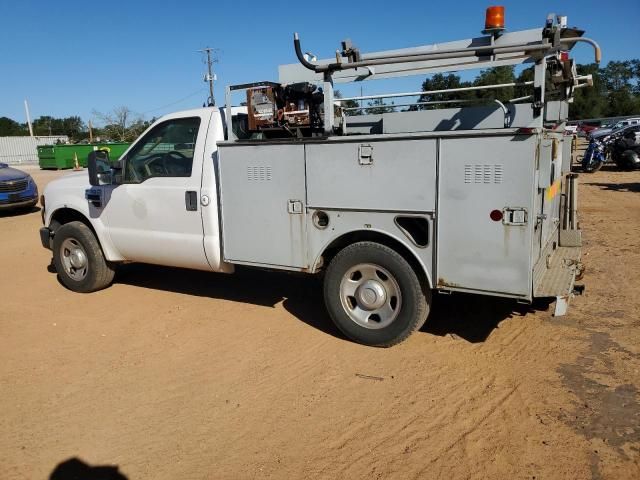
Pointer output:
558, 275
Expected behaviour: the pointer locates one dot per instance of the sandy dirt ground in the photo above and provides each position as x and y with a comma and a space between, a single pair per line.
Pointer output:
173, 374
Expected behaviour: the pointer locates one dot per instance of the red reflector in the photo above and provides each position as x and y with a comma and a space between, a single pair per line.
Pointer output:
564, 56
496, 215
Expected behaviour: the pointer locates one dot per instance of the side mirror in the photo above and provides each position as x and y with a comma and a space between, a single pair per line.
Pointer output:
98, 164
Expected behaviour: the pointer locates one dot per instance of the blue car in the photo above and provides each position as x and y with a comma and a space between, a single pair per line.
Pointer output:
17, 188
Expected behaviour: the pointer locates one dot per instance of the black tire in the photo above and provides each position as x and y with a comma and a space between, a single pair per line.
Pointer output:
98, 273
629, 160
617, 159
411, 310
591, 167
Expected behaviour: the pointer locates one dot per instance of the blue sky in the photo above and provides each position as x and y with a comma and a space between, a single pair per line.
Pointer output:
71, 57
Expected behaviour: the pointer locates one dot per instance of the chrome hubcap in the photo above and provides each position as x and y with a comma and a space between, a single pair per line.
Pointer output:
370, 295
74, 259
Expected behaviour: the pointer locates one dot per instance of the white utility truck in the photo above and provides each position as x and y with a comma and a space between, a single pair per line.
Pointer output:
475, 197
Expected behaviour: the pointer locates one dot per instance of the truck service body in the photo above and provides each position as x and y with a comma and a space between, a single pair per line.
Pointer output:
472, 198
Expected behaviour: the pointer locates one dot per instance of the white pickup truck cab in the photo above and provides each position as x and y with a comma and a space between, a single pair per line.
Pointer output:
162, 209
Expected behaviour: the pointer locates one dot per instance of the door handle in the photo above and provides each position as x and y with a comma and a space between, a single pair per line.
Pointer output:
191, 201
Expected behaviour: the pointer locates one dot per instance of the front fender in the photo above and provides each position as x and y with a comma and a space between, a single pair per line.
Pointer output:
102, 233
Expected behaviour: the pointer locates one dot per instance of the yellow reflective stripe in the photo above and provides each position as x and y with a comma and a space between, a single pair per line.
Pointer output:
553, 190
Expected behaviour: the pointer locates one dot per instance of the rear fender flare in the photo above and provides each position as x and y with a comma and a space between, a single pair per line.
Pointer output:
403, 247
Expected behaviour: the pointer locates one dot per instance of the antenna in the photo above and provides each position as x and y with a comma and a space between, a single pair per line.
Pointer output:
210, 76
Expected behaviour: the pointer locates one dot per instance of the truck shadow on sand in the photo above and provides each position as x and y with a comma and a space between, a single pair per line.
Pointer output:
473, 317
617, 187
470, 317
76, 469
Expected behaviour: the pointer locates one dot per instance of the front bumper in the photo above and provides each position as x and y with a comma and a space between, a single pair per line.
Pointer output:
20, 203
45, 237
25, 198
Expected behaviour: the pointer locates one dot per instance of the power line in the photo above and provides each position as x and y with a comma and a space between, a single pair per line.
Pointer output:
176, 102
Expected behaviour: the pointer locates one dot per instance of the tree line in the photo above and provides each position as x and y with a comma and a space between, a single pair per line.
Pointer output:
615, 91
121, 124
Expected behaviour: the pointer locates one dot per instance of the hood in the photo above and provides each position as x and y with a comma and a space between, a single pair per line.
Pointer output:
610, 131
71, 180
601, 132
8, 173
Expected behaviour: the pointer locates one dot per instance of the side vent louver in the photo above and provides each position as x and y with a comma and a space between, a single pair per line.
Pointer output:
258, 174
484, 173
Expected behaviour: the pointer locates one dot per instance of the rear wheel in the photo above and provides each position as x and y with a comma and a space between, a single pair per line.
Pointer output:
79, 260
630, 160
374, 296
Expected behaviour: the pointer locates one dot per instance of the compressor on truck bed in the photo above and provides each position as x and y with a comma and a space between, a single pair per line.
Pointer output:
392, 207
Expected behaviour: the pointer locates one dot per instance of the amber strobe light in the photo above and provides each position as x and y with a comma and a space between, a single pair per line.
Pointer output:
494, 19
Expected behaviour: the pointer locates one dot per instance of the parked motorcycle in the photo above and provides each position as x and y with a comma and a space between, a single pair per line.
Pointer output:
595, 155
613, 146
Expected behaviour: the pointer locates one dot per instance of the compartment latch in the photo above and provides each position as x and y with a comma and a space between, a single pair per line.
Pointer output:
514, 216
365, 154
294, 207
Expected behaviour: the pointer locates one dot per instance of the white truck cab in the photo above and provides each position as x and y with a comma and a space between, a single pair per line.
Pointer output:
163, 209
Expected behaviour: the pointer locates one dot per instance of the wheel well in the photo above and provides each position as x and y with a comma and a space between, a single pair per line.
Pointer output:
371, 236
66, 215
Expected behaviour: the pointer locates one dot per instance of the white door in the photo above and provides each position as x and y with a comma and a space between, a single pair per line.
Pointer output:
154, 216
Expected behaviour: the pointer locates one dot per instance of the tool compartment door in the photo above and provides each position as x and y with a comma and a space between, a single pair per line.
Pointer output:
391, 175
477, 176
550, 186
262, 193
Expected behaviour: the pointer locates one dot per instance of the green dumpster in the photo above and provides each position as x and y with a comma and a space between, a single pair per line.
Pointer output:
63, 156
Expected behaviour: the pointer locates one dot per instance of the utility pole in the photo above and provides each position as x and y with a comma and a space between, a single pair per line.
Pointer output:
210, 77
26, 109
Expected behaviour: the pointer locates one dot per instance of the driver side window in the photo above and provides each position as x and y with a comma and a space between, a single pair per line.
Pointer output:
165, 151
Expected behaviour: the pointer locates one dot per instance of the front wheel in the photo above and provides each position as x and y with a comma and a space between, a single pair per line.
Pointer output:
374, 296
79, 260
591, 164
